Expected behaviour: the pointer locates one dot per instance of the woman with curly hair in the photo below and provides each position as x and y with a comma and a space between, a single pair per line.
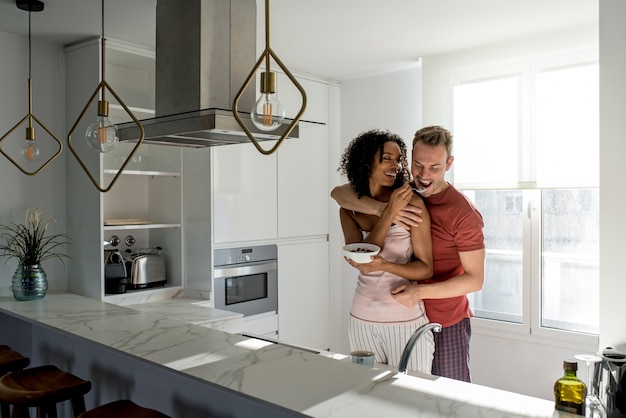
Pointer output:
376, 165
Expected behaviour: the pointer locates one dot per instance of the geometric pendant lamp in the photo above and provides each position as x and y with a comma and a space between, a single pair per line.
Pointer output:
29, 151
102, 135
267, 113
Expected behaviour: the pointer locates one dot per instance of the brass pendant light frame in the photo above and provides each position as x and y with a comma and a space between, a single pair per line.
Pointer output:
103, 86
30, 130
267, 53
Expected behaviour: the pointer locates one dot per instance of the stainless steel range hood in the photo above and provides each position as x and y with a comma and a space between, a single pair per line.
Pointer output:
199, 129
205, 49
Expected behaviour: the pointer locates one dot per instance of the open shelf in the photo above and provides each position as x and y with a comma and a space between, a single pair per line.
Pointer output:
143, 173
140, 226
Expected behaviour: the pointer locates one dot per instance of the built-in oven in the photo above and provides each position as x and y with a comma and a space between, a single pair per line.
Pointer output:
245, 280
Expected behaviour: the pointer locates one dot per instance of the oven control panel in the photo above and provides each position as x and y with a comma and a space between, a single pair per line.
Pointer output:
242, 255
245, 257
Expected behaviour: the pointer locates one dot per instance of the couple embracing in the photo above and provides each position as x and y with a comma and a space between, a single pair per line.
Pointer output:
432, 250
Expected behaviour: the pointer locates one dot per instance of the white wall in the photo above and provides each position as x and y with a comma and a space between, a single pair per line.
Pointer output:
383, 101
391, 100
612, 173
46, 190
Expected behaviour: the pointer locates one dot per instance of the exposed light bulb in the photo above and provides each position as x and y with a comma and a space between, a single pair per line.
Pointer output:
268, 113
102, 135
29, 151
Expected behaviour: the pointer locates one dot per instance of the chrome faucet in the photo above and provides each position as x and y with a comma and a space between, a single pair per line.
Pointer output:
406, 354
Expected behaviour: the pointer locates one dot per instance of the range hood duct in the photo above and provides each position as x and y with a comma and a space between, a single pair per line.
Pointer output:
205, 49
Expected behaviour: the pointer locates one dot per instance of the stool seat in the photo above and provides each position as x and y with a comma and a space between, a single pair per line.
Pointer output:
43, 387
11, 360
122, 409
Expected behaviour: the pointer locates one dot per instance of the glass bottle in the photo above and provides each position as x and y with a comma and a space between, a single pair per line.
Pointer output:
570, 391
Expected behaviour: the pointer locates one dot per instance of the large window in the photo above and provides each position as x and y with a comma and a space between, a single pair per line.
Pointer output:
526, 147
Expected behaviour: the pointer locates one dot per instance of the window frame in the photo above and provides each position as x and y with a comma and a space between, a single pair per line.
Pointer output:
526, 69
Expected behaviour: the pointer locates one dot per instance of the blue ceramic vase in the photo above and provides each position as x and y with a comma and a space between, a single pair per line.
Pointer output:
29, 282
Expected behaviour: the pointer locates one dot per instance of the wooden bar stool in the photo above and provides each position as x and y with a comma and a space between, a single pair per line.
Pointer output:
10, 361
122, 409
43, 387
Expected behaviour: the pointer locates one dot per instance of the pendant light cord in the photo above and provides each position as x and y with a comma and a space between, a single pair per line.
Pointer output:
267, 36
102, 18
29, 150
30, 82
29, 47
102, 45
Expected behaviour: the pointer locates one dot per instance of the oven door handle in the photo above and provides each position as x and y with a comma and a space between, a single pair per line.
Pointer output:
244, 270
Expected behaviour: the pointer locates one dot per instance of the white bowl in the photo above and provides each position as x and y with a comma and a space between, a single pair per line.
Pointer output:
361, 252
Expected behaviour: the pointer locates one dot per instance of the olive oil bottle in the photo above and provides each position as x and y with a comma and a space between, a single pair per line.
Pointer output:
570, 391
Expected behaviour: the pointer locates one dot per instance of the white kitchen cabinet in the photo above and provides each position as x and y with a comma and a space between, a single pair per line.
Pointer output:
303, 183
303, 162
303, 247
262, 325
283, 198
317, 98
251, 190
146, 201
197, 226
303, 225
303, 294
244, 191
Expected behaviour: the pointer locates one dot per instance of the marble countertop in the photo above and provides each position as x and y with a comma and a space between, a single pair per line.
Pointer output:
315, 385
193, 311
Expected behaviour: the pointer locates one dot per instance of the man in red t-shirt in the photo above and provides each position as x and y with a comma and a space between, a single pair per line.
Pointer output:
458, 249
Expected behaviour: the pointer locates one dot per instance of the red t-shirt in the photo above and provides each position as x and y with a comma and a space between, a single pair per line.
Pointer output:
456, 226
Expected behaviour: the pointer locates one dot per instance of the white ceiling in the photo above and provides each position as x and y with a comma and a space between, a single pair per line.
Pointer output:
334, 39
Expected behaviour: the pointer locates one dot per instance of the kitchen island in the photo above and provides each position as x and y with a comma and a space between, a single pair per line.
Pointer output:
187, 370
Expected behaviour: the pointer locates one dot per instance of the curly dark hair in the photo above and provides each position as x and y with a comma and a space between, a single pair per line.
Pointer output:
357, 160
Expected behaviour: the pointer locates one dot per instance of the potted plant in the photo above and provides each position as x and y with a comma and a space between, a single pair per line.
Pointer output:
29, 244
